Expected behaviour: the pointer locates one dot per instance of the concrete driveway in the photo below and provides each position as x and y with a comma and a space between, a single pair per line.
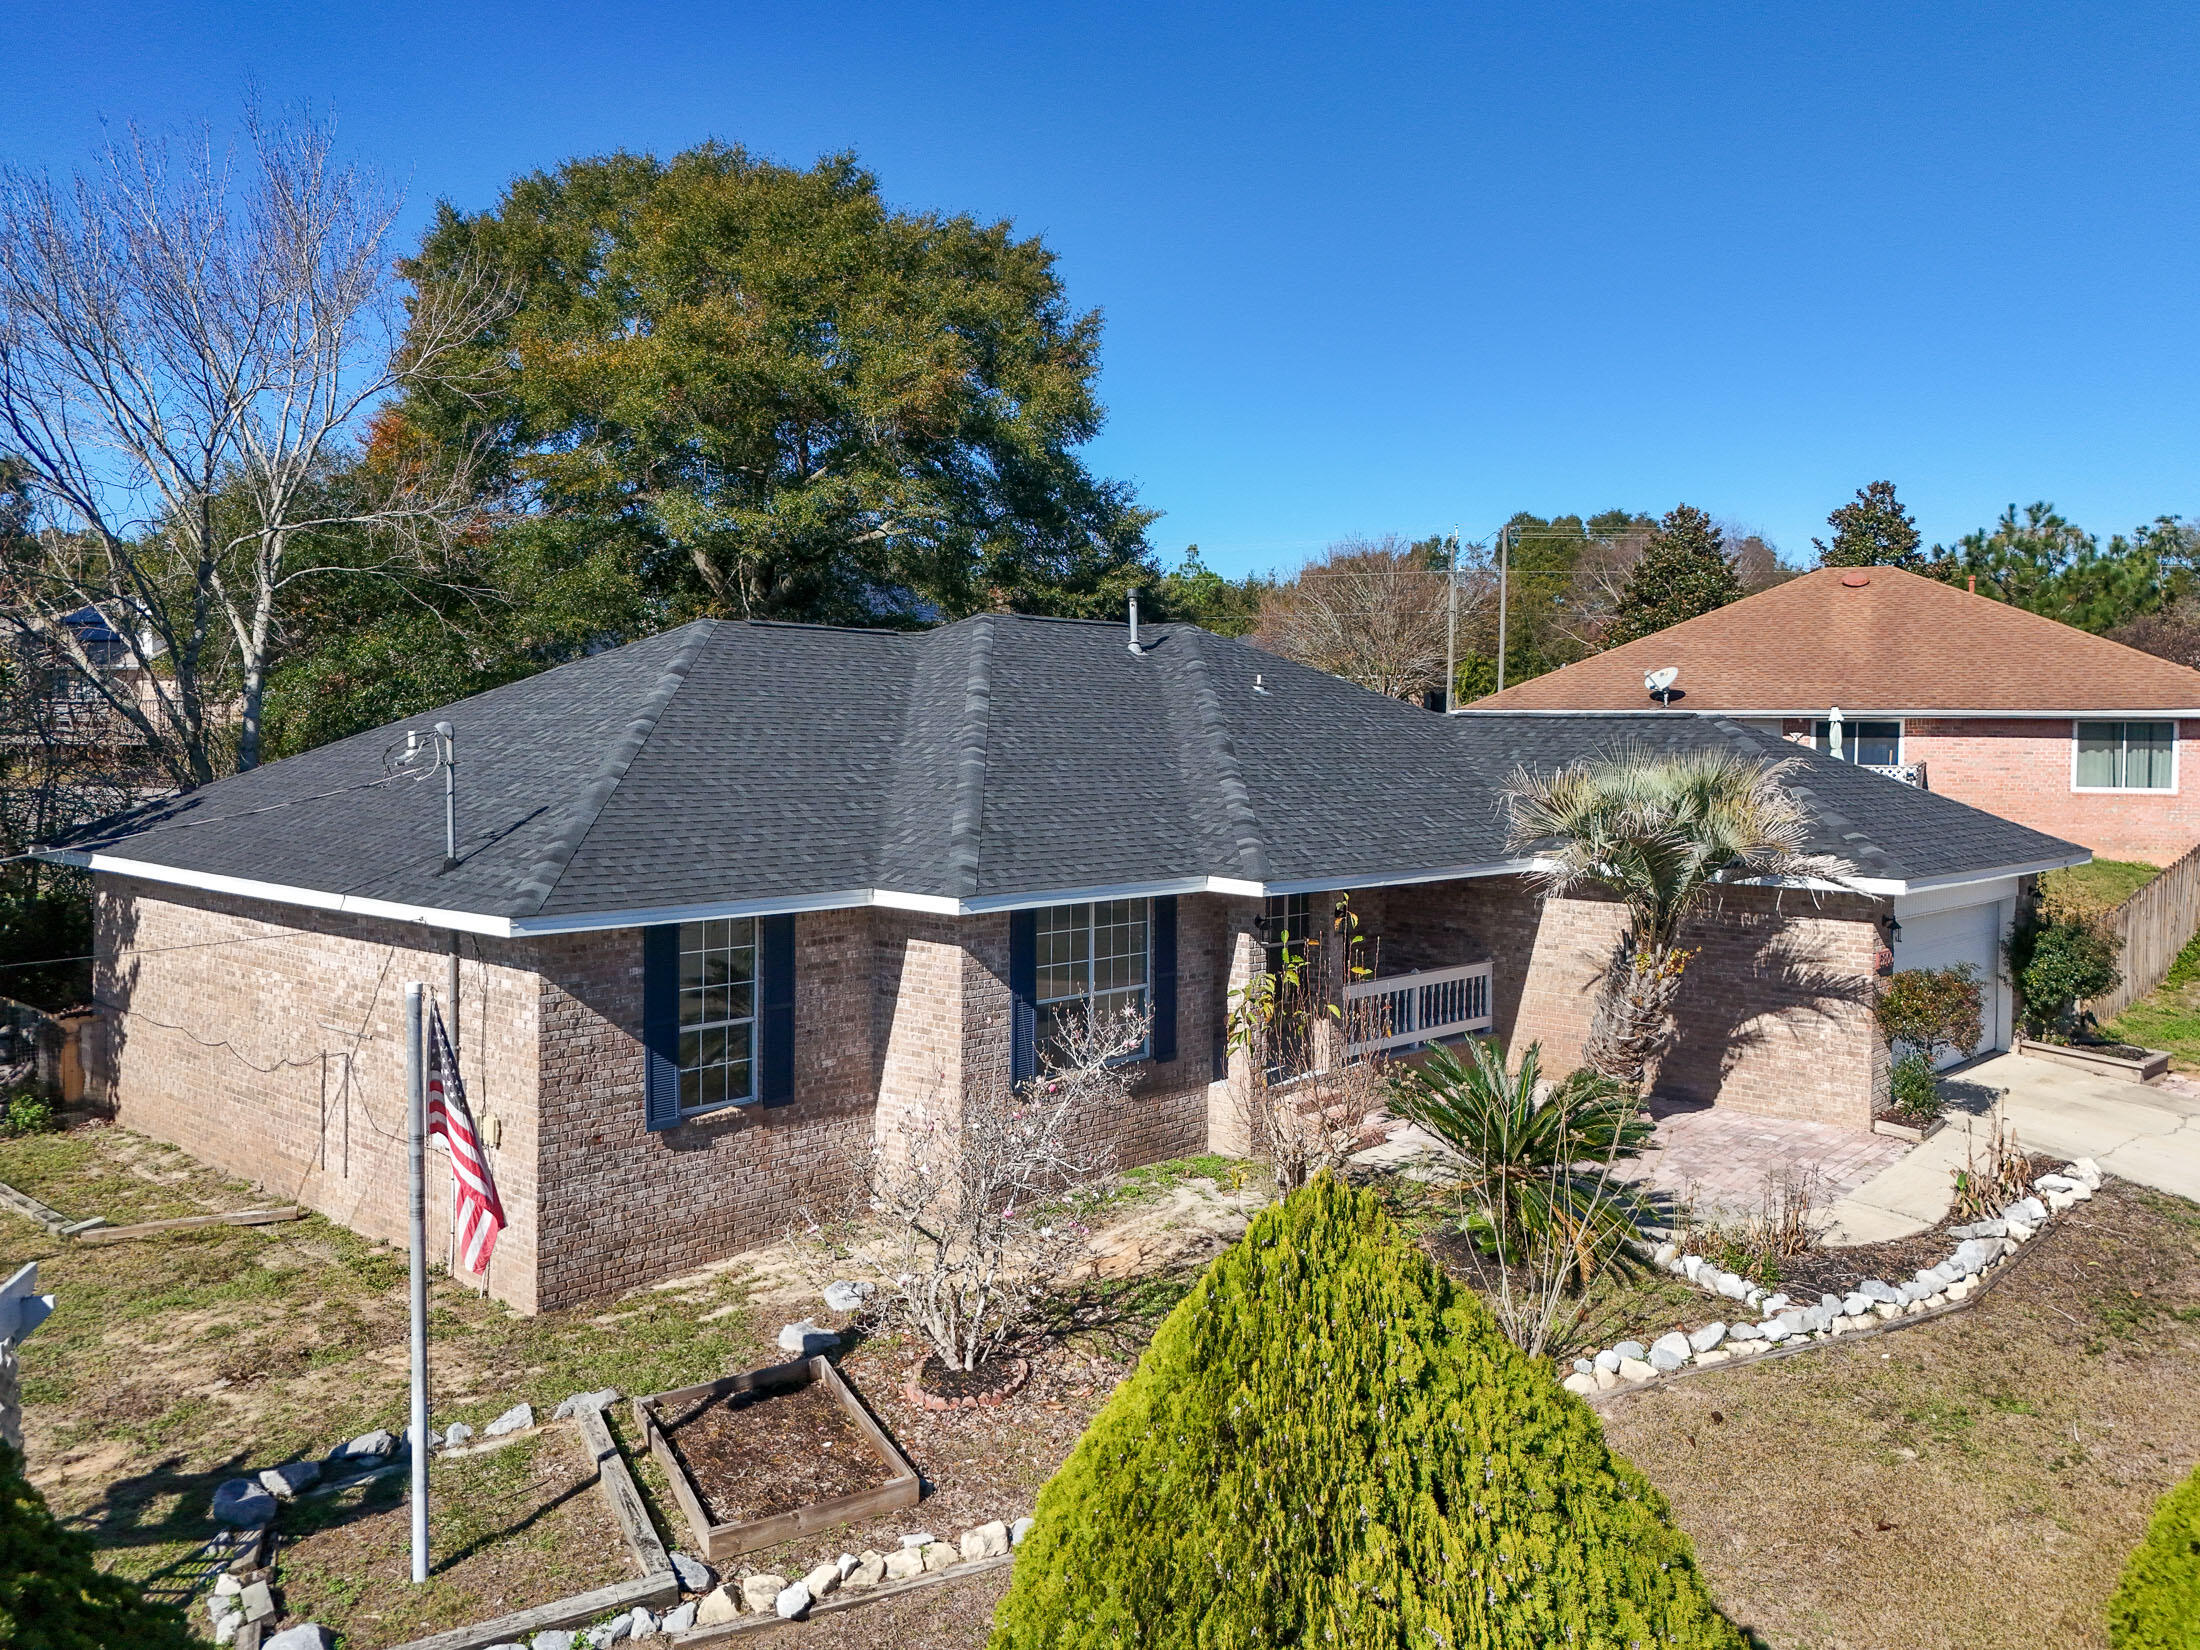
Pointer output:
2146, 1133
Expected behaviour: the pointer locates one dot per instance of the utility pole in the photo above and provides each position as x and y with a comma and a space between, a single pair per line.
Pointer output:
416, 1128
1451, 623
1504, 535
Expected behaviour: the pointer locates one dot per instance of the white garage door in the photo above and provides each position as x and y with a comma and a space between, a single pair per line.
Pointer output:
1968, 934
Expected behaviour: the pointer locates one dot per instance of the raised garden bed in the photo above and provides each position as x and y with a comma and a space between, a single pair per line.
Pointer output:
1901, 1128
2124, 1060
778, 1452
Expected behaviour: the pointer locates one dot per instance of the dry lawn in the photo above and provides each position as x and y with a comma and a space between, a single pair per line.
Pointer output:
1975, 1481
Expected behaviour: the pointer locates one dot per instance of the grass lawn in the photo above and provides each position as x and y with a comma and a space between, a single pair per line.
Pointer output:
2103, 882
2168, 1017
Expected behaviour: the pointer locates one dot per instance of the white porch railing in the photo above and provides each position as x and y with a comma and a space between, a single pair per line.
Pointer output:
1910, 773
1418, 1008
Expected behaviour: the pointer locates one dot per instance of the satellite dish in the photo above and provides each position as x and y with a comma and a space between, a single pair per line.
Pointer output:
1659, 680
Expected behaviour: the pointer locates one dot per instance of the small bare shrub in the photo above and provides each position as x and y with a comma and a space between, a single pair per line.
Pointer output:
1995, 1172
971, 1218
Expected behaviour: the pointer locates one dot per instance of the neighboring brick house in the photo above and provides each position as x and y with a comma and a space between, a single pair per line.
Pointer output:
735, 903
2025, 717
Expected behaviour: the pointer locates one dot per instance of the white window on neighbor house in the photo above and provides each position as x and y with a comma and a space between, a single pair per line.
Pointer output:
717, 1013
1875, 744
1094, 958
2125, 756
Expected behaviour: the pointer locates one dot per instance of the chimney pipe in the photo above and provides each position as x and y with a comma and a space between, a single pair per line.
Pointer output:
1135, 648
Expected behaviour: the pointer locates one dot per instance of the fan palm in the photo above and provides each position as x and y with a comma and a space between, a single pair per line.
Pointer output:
1658, 831
1541, 1170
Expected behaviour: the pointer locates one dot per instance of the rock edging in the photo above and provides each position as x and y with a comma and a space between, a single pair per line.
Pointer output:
1983, 1248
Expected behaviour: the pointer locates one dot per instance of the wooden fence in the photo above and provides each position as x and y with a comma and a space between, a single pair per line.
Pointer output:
2154, 925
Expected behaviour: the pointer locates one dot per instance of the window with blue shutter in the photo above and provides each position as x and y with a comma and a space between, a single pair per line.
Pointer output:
775, 1011
1023, 990
661, 1025
1162, 1039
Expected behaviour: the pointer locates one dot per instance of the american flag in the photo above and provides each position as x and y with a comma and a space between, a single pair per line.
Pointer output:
476, 1215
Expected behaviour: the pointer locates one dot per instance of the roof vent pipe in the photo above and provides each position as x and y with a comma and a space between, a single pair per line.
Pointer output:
1135, 648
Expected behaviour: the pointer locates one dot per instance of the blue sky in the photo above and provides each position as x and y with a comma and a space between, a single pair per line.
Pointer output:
1377, 268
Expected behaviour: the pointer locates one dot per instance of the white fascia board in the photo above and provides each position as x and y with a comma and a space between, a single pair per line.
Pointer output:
1345, 881
1865, 713
315, 899
1964, 879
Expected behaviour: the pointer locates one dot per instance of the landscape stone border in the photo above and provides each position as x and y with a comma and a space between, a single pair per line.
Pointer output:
1983, 1250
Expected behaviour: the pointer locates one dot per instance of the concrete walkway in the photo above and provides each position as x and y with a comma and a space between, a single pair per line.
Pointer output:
2146, 1133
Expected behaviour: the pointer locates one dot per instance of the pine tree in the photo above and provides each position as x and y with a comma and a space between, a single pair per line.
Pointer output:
1872, 531
1331, 1444
53, 1597
1682, 572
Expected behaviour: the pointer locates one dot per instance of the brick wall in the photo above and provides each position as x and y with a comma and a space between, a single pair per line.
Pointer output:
1774, 1017
2021, 770
269, 1041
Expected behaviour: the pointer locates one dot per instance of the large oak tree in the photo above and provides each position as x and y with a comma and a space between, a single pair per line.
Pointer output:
784, 398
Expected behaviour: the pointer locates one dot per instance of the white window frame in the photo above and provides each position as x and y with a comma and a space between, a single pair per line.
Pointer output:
1848, 743
2176, 774
1091, 908
729, 1026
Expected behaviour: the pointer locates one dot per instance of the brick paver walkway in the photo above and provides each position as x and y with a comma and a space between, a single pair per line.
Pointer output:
1722, 1158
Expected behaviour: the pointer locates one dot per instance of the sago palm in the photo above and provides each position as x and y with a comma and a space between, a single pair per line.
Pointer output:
1540, 1166
1658, 831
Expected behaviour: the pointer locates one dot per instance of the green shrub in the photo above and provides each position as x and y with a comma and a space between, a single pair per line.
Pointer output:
1933, 1011
53, 1597
27, 1112
1331, 1444
2057, 965
1915, 1092
2158, 1605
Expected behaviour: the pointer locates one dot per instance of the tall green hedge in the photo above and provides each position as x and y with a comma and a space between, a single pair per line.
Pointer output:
1331, 1445
53, 1597
2158, 1605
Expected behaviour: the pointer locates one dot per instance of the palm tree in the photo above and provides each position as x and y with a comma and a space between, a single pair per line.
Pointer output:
1659, 832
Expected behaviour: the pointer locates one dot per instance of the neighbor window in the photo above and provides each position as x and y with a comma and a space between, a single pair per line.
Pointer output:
1091, 958
1875, 744
717, 1013
2125, 756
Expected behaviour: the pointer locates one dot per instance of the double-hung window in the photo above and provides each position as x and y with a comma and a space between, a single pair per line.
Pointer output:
2126, 756
717, 1013
1092, 959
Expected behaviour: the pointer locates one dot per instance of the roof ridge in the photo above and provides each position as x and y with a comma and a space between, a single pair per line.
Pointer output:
541, 880
1237, 800
965, 830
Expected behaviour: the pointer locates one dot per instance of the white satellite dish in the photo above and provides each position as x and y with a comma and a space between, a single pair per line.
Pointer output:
1659, 683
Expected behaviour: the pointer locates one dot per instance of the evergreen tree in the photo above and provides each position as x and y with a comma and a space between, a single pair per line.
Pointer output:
1873, 530
2158, 1605
53, 1597
1331, 1444
1684, 572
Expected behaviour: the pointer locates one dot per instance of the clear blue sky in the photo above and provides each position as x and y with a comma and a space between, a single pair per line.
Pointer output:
1371, 268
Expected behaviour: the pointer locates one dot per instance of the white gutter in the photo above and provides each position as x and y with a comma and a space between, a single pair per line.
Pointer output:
1818, 713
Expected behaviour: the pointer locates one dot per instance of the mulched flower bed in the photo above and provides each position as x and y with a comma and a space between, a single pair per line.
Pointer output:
1836, 1271
771, 1450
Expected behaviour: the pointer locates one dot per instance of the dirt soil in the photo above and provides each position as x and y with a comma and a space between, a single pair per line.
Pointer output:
1806, 1276
771, 1450
512, 1529
1977, 1480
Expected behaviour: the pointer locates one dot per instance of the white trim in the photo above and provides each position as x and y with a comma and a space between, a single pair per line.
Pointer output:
469, 922
2170, 789
1964, 879
2055, 714
1399, 879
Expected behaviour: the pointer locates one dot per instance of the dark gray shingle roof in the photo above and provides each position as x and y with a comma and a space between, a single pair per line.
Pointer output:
994, 759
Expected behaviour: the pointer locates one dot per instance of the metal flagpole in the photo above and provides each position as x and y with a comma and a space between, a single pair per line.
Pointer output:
1451, 625
416, 1127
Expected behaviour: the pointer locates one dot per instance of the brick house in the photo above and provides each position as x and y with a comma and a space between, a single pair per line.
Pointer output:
730, 904
2050, 726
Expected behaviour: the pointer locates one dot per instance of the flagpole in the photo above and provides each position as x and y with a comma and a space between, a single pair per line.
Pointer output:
416, 1151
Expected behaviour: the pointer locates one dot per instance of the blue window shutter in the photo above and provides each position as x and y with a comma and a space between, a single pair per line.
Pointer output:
1023, 990
775, 1010
661, 1025
1163, 934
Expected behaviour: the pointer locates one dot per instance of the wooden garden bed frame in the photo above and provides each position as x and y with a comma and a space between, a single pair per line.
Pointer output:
720, 1542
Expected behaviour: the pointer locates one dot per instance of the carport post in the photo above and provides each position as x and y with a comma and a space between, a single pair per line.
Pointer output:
415, 1148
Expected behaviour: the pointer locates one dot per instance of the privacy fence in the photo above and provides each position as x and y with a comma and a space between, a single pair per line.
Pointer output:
2154, 925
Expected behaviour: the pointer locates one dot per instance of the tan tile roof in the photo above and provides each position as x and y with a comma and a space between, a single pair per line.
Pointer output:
1868, 639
